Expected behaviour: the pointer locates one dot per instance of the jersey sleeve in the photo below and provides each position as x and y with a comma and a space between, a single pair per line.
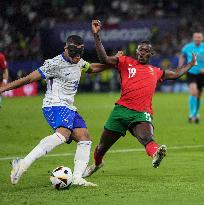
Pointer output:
121, 62
160, 74
3, 62
84, 65
48, 69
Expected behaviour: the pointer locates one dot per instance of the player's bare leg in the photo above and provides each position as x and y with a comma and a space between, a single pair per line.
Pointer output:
143, 131
197, 115
81, 160
194, 102
108, 138
19, 166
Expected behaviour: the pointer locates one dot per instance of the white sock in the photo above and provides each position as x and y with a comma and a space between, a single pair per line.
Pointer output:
45, 146
81, 158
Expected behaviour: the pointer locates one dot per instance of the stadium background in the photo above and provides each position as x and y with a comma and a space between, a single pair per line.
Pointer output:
32, 31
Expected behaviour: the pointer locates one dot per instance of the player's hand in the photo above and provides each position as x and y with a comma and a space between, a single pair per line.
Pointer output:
119, 53
194, 61
96, 26
4, 82
1, 89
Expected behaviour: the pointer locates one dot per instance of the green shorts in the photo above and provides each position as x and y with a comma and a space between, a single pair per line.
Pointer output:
121, 118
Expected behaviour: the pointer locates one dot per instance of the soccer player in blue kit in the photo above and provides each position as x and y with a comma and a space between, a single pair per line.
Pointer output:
195, 76
62, 74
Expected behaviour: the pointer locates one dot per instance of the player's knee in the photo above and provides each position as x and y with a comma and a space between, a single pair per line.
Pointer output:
63, 132
80, 134
193, 91
82, 137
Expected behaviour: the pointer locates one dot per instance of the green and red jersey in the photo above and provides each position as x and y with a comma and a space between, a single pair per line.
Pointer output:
138, 84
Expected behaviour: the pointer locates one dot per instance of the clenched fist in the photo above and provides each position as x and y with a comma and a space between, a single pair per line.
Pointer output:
96, 26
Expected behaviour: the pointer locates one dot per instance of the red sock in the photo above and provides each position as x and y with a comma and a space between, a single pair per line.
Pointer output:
151, 148
98, 158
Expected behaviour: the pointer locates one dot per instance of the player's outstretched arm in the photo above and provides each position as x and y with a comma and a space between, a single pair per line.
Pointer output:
110, 60
97, 68
32, 77
177, 73
181, 60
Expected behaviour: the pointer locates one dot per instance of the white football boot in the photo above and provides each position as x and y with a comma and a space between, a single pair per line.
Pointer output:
17, 170
159, 155
82, 182
91, 169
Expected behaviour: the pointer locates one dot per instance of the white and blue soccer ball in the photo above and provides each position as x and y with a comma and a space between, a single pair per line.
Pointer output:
61, 177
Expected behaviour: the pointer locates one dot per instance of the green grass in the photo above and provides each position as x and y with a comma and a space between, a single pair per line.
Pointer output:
127, 178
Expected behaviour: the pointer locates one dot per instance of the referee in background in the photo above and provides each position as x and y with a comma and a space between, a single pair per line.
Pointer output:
195, 76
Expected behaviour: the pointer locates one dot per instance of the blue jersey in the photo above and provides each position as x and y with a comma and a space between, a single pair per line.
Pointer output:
187, 51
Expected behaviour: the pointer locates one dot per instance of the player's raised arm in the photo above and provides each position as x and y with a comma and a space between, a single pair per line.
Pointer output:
174, 74
181, 60
94, 67
34, 76
97, 68
110, 60
5, 75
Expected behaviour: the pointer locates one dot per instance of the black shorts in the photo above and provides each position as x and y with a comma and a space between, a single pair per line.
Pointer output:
198, 79
1, 75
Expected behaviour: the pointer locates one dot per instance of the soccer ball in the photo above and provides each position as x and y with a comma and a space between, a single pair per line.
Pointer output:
61, 177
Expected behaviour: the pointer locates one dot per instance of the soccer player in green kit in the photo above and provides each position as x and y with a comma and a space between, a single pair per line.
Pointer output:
133, 111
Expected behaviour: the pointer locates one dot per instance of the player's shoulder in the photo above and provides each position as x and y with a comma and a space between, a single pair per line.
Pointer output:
188, 45
81, 61
83, 65
57, 59
127, 59
54, 61
152, 67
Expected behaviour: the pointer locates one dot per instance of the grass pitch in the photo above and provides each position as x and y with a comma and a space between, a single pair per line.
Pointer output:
127, 178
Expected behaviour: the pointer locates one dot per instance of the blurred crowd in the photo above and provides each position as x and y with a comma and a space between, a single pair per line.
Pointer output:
21, 21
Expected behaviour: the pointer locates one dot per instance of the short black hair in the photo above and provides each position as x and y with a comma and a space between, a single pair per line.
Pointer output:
145, 42
77, 40
148, 43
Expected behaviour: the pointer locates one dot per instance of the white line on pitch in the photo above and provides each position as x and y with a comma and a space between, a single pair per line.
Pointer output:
113, 151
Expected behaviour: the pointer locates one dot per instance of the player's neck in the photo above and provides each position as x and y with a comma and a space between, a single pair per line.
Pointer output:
197, 44
66, 57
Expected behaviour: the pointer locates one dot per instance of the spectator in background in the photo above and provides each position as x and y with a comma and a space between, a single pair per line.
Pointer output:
195, 76
3, 73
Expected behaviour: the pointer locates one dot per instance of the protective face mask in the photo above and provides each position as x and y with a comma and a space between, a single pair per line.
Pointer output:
74, 51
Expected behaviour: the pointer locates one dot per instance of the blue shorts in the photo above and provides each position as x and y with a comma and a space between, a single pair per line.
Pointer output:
62, 116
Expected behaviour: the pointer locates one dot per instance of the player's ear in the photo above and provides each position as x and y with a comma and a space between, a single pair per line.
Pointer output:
137, 51
153, 52
65, 46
